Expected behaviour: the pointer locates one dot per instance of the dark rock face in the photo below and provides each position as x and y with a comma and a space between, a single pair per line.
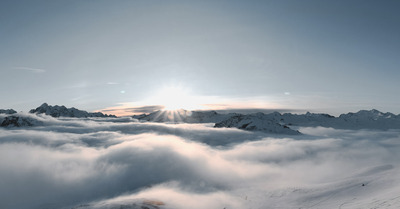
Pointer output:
16, 121
62, 111
8, 111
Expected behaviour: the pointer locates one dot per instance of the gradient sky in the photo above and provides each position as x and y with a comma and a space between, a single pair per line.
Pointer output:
318, 55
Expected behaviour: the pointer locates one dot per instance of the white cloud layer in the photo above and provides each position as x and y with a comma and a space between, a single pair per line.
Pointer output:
115, 162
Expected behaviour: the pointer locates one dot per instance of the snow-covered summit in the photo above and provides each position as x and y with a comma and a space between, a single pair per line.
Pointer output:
368, 115
257, 122
62, 111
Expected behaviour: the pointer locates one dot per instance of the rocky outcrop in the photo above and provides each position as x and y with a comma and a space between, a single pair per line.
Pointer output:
18, 121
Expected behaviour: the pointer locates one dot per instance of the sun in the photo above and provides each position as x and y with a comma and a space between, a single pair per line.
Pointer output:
176, 98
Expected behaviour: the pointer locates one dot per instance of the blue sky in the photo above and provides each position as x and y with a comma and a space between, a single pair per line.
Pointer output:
332, 56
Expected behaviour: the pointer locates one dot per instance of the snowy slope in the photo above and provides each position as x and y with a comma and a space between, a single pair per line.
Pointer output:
374, 187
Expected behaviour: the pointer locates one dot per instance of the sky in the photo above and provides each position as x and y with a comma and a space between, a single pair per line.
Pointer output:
331, 56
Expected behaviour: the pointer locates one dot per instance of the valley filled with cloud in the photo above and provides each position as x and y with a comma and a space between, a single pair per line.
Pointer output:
93, 163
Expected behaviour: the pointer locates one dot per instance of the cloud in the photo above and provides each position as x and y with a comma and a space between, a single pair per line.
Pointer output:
144, 109
126, 110
115, 162
171, 192
34, 70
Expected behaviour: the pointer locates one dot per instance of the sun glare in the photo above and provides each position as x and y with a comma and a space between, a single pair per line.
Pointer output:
175, 98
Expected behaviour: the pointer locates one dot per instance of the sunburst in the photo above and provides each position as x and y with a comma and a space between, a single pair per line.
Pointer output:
175, 98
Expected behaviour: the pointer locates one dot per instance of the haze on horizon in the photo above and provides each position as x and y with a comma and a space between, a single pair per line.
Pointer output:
331, 56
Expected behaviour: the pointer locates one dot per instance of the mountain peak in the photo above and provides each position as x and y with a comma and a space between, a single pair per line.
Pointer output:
62, 111
8, 111
44, 105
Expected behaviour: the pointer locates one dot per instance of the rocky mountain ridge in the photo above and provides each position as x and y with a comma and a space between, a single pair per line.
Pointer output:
275, 122
279, 123
62, 111
184, 116
8, 111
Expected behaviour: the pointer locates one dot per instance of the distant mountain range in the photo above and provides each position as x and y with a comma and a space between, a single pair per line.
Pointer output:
10, 117
279, 123
275, 123
62, 111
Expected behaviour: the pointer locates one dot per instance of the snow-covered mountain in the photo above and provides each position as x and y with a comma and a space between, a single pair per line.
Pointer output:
372, 119
279, 123
62, 111
363, 119
8, 111
256, 122
275, 122
19, 120
16, 121
251, 122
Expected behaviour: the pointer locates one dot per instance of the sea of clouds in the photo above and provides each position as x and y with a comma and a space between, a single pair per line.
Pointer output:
120, 162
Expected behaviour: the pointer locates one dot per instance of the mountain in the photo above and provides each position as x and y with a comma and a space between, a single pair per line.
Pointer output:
16, 121
19, 120
8, 111
271, 123
184, 116
363, 119
279, 123
371, 119
251, 122
62, 111
256, 122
